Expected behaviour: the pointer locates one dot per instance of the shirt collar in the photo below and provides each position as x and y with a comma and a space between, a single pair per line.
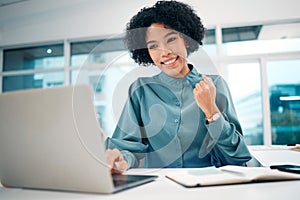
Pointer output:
191, 78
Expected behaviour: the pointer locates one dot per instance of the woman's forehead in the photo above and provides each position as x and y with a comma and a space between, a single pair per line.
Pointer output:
158, 31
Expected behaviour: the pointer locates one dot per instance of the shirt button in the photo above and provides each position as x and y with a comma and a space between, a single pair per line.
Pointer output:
176, 120
177, 103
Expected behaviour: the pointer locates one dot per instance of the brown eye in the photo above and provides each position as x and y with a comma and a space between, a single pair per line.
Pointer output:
171, 39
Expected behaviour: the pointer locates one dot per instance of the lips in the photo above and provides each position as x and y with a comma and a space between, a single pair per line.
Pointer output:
170, 61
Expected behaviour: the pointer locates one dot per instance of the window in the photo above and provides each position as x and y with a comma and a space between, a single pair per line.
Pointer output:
28, 81
102, 64
261, 39
33, 67
94, 51
264, 43
284, 91
238, 34
50, 56
209, 42
245, 87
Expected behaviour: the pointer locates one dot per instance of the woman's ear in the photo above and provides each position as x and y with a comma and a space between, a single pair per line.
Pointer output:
186, 45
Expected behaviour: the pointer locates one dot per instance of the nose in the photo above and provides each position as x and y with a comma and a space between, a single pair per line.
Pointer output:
165, 51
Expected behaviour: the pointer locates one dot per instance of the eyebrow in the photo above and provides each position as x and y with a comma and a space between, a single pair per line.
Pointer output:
168, 34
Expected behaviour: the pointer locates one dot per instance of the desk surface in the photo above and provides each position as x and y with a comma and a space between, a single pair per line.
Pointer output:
275, 155
163, 188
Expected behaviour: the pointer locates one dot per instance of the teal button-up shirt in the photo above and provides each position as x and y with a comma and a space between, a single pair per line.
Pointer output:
162, 124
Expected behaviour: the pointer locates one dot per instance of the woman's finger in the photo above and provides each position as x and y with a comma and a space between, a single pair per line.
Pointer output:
207, 80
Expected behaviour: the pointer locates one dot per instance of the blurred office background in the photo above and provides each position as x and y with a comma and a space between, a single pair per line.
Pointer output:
255, 46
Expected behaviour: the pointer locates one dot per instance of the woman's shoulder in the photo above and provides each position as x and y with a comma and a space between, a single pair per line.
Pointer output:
219, 82
216, 78
147, 79
142, 82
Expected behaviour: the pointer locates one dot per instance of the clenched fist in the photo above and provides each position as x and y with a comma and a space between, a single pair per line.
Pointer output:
205, 96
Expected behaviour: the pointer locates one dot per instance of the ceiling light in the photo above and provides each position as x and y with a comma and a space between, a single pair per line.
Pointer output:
49, 51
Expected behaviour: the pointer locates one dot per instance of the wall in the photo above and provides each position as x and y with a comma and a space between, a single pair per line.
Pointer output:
37, 21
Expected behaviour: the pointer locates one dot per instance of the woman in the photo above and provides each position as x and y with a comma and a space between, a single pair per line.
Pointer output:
178, 118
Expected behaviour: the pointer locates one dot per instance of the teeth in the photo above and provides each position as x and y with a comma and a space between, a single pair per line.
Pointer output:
170, 62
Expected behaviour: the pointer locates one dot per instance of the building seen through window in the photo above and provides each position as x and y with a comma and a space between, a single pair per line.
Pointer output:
285, 113
33, 67
284, 91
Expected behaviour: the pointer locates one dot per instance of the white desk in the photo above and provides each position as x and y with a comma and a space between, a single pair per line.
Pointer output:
163, 188
275, 155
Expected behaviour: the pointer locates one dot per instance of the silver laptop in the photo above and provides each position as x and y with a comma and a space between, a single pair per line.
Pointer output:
51, 139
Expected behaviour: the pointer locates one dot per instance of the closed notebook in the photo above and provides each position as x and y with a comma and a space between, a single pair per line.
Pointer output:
210, 176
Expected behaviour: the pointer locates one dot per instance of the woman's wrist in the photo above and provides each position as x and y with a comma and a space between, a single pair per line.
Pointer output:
213, 115
213, 118
211, 112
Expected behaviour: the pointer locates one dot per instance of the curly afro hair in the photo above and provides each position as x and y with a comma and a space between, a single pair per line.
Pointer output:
173, 14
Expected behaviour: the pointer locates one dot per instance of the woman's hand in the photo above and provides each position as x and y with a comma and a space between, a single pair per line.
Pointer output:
205, 96
296, 147
116, 161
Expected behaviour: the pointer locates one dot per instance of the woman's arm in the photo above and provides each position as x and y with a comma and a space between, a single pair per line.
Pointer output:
127, 137
224, 140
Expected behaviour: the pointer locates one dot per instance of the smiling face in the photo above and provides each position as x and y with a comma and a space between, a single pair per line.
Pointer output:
167, 49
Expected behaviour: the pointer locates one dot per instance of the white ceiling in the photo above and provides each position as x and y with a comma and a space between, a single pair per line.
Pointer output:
9, 2
19, 19
279, 31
